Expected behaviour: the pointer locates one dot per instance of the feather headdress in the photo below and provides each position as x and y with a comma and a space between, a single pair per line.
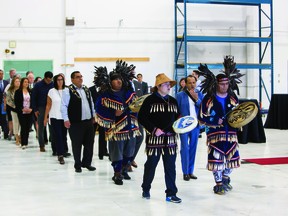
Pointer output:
209, 84
232, 73
103, 80
126, 72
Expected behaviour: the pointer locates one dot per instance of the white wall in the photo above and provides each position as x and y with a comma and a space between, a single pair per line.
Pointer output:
134, 28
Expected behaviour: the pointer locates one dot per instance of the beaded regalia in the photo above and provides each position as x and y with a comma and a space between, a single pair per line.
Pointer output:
123, 126
221, 139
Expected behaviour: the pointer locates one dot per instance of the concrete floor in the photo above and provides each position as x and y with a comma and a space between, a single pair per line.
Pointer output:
35, 184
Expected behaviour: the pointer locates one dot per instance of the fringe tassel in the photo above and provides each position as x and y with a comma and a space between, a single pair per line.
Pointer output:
221, 137
222, 166
122, 135
150, 151
104, 123
161, 108
107, 102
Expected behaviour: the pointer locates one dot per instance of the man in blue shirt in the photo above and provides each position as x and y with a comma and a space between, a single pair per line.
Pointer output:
78, 113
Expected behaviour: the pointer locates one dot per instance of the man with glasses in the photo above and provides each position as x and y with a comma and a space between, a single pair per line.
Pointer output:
78, 113
157, 114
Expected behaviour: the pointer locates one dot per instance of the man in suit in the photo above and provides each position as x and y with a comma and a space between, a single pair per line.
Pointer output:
12, 73
140, 87
3, 121
30, 77
189, 101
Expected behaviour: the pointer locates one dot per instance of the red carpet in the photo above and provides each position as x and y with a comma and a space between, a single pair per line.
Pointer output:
267, 161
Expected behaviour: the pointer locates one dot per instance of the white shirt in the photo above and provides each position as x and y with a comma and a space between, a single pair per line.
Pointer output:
56, 98
86, 113
192, 108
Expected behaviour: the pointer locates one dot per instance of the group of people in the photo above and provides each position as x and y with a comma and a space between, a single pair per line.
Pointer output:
16, 111
106, 107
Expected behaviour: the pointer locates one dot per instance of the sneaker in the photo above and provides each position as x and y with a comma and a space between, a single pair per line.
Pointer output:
146, 195
219, 189
226, 184
173, 199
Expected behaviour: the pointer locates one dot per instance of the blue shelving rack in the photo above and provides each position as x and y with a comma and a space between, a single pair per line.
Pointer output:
264, 43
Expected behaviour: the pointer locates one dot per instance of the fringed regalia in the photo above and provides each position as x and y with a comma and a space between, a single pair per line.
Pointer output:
159, 112
117, 127
221, 139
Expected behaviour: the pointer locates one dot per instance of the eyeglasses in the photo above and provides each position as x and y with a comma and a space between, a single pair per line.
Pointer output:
78, 77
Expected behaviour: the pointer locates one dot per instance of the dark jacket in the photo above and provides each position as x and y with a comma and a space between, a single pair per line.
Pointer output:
18, 97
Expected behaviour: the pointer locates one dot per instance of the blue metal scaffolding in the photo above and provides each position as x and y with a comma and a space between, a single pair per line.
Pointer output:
182, 39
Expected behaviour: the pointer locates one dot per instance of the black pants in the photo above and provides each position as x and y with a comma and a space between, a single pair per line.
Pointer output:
59, 136
169, 171
82, 133
102, 143
25, 120
3, 123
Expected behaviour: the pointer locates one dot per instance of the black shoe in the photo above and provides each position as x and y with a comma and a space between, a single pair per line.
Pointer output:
186, 177
146, 195
66, 154
78, 170
5, 135
192, 176
9, 137
54, 154
90, 168
61, 160
101, 158
106, 155
133, 163
117, 180
126, 176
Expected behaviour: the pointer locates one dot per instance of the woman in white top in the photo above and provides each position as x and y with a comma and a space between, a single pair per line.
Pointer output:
53, 112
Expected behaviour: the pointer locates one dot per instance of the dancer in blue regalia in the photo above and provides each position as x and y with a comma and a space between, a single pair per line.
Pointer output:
223, 154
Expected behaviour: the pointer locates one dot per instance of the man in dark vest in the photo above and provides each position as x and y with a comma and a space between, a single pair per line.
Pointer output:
78, 114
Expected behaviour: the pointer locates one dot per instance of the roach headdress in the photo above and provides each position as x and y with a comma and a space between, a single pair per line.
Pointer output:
122, 71
230, 73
